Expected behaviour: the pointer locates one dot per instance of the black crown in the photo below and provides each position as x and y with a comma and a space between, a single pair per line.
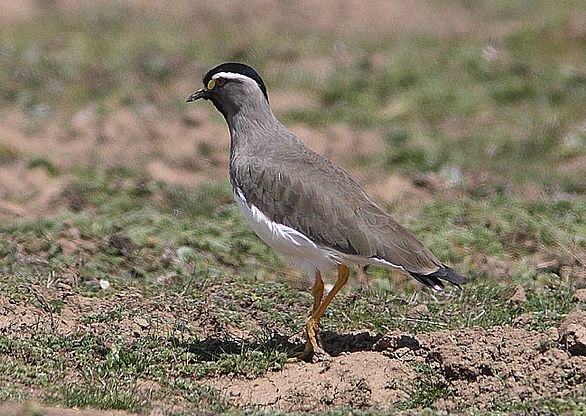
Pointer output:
237, 68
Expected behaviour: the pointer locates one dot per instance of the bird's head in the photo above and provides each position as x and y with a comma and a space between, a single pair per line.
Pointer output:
230, 86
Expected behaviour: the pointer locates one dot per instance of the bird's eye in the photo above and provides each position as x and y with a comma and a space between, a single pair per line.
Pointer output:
220, 82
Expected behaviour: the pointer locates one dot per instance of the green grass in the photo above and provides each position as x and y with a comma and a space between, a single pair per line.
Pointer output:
40, 162
426, 389
194, 245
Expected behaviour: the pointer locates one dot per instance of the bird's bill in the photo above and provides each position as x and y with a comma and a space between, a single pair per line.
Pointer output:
197, 95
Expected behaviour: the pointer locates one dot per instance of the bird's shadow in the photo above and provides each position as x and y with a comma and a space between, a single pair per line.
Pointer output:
211, 349
336, 344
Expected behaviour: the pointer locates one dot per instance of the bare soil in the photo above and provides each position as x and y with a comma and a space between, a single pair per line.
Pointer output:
477, 366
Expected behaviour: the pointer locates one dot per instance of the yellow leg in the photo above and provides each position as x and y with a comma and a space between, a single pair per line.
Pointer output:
311, 346
317, 291
312, 332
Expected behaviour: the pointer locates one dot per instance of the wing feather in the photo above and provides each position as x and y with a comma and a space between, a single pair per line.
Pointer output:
310, 194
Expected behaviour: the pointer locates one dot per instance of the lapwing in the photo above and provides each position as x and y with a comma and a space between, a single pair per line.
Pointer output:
305, 207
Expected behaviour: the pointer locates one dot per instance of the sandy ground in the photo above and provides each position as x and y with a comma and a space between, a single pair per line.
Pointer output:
478, 366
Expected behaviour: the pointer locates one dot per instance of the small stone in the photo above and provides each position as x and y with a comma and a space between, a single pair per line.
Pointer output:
573, 333
519, 296
104, 284
143, 323
418, 311
579, 296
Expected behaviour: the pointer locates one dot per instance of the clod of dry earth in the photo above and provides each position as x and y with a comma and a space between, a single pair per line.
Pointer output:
478, 366
573, 333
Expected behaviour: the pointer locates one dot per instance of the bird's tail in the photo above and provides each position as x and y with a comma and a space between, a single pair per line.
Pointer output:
444, 273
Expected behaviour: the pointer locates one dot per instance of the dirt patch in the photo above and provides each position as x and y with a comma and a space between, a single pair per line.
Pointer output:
26, 192
33, 409
56, 308
476, 366
483, 366
125, 137
182, 149
360, 380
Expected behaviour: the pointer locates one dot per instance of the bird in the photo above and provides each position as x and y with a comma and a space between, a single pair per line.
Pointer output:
308, 209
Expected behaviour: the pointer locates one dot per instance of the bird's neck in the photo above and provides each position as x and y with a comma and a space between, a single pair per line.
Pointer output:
252, 127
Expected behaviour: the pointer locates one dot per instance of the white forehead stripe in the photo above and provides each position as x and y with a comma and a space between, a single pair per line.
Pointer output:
232, 75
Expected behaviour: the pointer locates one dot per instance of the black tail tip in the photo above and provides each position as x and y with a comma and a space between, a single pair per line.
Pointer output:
444, 273
452, 276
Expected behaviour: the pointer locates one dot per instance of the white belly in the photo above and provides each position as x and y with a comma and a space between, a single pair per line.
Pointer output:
298, 248
288, 242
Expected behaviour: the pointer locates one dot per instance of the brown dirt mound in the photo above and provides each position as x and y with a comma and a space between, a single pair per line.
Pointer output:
359, 380
476, 366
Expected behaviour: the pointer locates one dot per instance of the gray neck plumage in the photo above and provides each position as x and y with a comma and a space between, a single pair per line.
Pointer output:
254, 129
250, 120
255, 132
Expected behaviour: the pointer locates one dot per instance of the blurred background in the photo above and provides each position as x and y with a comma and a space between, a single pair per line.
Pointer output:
465, 119
410, 96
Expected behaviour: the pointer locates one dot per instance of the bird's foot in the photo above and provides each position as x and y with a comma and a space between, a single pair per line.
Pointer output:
320, 356
310, 355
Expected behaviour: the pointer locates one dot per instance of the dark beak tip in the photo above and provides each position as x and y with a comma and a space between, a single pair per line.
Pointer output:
196, 96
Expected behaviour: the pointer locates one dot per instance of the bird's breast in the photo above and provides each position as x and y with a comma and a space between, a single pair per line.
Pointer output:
288, 242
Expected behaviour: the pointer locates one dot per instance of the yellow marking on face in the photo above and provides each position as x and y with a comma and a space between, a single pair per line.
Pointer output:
211, 84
